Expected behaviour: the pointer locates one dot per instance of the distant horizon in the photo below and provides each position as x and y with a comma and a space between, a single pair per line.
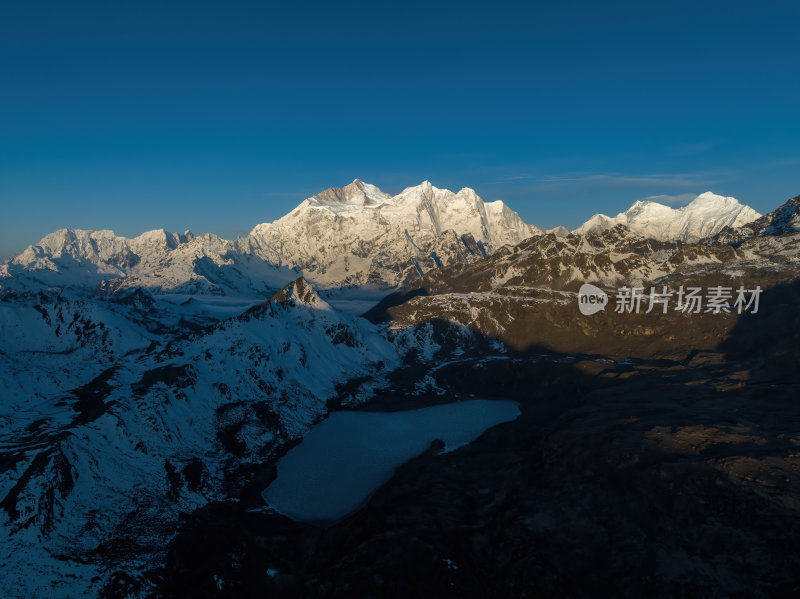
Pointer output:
214, 119
676, 203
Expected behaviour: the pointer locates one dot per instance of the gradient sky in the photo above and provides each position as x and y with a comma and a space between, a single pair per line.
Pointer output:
217, 116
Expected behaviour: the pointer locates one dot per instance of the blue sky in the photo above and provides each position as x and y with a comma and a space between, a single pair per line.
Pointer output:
217, 116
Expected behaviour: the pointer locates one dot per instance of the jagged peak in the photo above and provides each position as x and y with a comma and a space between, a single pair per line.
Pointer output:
298, 292
71, 234
155, 236
705, 199
710, 195
356, 193
706, 214
64, 237
468, 191
782, 220
558, 231
711, 199
427, 191
424, 187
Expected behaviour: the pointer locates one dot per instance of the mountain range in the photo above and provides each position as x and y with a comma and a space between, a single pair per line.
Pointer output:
151, 384
355, 236
704, 216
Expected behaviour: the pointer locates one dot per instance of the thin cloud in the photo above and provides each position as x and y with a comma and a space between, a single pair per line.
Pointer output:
781, 163
611, 182
667, 179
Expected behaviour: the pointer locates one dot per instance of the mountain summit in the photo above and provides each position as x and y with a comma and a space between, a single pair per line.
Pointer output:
782, 221
351, 236
357, 193
358, 234
354, 235
704, 216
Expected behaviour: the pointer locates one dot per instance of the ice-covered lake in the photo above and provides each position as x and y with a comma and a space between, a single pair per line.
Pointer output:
346, 457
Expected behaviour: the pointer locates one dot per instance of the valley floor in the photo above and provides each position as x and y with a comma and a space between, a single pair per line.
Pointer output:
633, 478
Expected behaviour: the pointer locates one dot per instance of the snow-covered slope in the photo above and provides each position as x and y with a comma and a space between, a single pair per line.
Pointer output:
784, 220
100, 460
105, 263
359, 235
705, 216
144, 378
351, 236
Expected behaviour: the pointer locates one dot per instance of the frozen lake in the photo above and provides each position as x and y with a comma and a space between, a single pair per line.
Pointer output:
346, 457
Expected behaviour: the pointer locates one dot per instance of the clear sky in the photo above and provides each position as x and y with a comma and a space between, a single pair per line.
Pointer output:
217, 116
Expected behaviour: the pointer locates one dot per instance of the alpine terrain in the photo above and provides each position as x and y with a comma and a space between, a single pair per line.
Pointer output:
704, 216
155, 387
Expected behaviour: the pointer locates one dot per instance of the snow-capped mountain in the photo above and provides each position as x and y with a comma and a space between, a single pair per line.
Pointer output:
704, 216
105, 263
351, 236
608, 258
360, 235
526, 295
146, 378
781, 221
100, 460
355, 236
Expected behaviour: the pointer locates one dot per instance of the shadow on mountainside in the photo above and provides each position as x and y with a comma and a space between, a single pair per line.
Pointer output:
769, 342
645, 477
550, 320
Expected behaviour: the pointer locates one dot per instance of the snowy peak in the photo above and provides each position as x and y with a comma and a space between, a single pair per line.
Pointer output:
161, 238
98, 247
785, 219
357, 234
492, 223
298, 292
354, 235
781, 221
704, 216
709, 198
356, 193
343, 236
101, 261
102, 249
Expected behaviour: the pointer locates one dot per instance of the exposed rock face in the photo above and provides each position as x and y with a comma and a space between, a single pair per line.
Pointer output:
781, 221
526, 295
297, 292
561, 263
